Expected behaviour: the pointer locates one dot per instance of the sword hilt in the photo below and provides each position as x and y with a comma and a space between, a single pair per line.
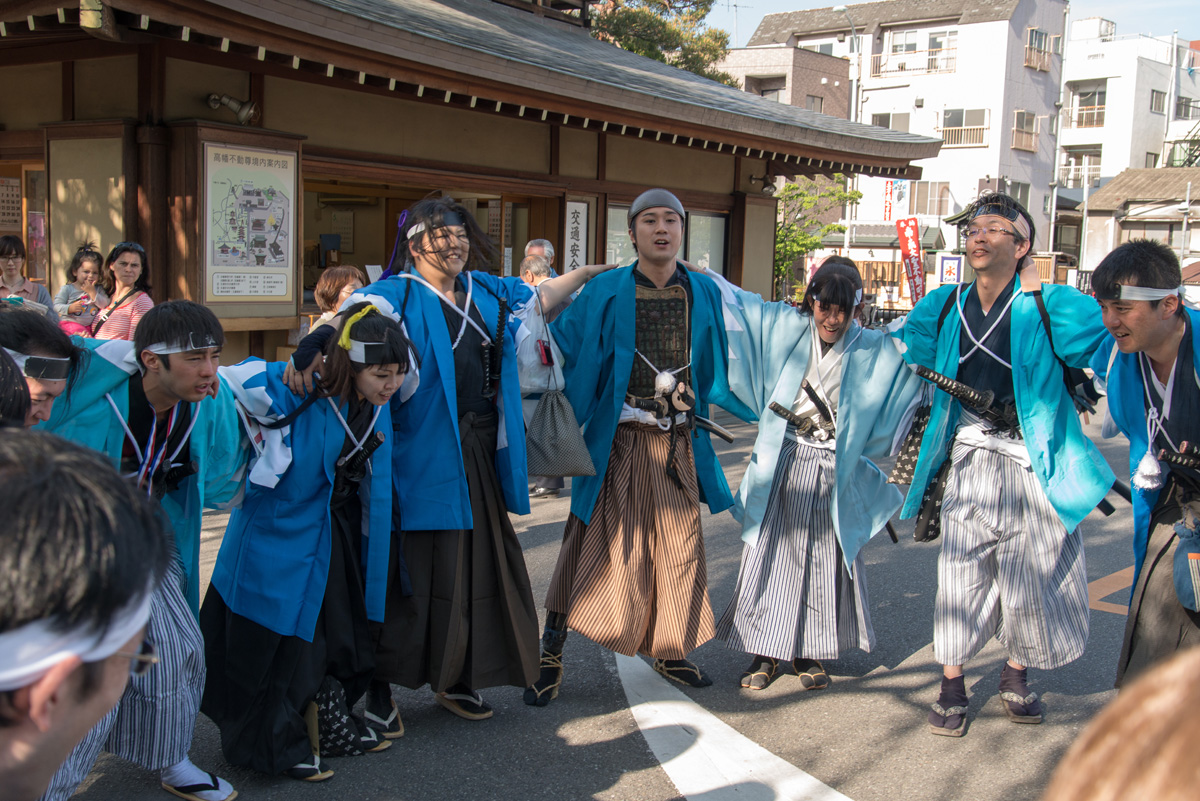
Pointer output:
352, 464
980, 401
1188, 459
1190, 448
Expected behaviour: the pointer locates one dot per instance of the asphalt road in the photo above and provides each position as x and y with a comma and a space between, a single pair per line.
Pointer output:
865, 736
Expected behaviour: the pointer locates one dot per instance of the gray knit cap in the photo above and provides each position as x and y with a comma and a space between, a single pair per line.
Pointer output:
652, 199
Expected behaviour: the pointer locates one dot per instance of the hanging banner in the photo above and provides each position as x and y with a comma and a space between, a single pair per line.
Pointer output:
912, 257
575, 236
887, 201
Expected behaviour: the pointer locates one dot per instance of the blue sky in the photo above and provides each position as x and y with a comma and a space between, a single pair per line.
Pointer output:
1155, 17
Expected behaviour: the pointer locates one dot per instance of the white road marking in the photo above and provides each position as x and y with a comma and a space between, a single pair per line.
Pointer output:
703, 756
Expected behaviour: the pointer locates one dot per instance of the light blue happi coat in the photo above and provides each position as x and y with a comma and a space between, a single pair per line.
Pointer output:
273, 565
770, 350
597, 335
1068, 466
84, 415
1127, 407
427, 463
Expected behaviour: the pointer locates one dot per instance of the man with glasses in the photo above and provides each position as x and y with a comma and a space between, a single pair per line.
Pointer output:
1011, 564
155, 407
83, 553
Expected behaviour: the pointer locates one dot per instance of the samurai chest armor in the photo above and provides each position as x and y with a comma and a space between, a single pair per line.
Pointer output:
663, 337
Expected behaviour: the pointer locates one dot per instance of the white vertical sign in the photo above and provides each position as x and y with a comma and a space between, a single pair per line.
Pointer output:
575, 236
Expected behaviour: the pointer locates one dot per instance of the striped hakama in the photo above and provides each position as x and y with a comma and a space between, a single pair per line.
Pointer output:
153, 723
794, 595
635, 578
1158, 624
1008, 568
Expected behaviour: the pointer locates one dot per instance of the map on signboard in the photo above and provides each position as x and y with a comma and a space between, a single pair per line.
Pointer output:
248, 223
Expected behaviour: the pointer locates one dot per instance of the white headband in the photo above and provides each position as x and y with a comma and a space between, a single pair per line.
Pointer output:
30, 652
857, 297
192, 341
43, 368
1147, 292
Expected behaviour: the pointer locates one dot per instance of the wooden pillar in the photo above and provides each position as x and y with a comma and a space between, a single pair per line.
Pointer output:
152, 210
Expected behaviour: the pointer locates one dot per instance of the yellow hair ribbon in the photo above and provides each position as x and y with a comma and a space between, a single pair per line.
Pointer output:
344, 339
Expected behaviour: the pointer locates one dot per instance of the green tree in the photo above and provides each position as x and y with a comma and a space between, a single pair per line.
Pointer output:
808, 212
670, 31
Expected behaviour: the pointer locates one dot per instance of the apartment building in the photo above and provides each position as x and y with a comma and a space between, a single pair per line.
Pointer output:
1131, 102
983, 76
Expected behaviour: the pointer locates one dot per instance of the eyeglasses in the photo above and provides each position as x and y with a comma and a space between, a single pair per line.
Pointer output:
11, 259
995, 230
141, 662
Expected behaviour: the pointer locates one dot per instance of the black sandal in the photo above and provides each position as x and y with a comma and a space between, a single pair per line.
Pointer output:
762, 671
381, 713
682, 671
1020, 703
811, 673
464, 702
310, 771
948, 716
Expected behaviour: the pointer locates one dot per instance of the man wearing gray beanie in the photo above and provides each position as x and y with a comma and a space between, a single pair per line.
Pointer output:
644, 354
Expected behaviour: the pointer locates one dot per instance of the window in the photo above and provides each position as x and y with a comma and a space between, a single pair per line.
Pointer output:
1037, 49
1025, 131
825, 48
1068, 235
618, 248
1046, 204
1080, 165
1151, 160
1019, 192
1087, 107
773, 94
813, 103
930, 197
964, 127
897, 122
1158, 101
706, 240
942, 40
1187, 108
904, 41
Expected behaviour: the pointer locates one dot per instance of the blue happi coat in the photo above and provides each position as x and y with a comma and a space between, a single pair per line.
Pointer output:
1127, 407
274, 560
770, 350
597, 337
427, 465
84, 415
1069, 468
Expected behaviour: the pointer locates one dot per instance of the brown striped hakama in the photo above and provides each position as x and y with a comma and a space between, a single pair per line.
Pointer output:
635, 579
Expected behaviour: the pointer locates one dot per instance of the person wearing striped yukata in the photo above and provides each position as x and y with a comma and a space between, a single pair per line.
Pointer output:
1011, 564
644, 354
154, 406
1150, 364
811, 498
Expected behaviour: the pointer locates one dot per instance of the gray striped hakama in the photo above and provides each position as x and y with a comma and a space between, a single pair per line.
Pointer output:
794, 595
153, 723
1008, 567
634, 579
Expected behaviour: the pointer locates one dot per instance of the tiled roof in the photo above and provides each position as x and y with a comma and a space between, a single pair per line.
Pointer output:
868, 17
883, 235
1157, 183
467, 36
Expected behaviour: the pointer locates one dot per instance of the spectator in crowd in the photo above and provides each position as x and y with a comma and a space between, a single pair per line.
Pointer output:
43, 354
534, 270
124, 281
336, 284
78, 301
1142, 745
15, 288
83, 551
543, 248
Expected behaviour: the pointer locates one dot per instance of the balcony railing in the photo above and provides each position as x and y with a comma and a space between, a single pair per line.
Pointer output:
1072, 176
1025, 140
1083, 117
1036, 58
971, 136
914, 62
